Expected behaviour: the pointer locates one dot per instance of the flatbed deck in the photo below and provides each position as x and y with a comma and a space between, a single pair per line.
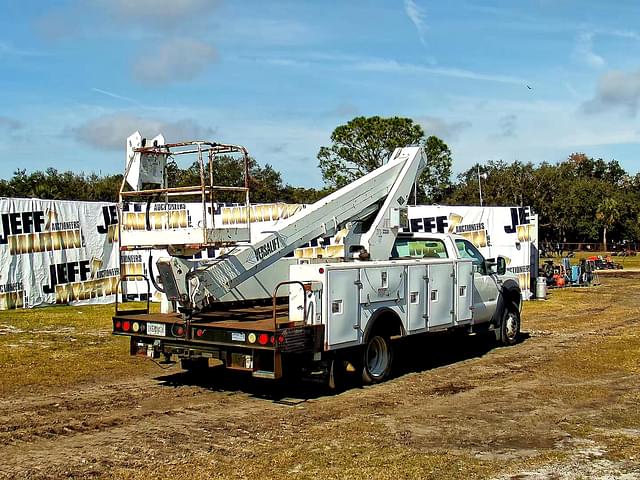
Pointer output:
246, 318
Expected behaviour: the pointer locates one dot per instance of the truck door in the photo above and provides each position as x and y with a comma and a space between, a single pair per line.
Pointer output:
485, 289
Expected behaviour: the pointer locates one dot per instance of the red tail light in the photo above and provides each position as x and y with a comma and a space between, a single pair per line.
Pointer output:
281, 339
180, 331
118, 324
126, 326
272, 339
263, 338
200, 332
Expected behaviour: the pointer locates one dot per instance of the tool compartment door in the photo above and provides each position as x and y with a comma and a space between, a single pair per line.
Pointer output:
343, 308
381, 284
417, 304
440, 295
464, 291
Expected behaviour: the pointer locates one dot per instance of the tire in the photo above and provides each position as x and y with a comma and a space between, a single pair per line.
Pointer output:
377, 360
510, 327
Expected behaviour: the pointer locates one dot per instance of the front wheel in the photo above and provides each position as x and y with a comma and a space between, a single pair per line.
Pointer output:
510, 327
377, 360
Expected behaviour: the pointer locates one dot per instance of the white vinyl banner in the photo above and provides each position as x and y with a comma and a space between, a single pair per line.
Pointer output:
54, 252
63, 252
511, 232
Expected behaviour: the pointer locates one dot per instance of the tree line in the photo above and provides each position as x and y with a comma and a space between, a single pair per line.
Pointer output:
579, 199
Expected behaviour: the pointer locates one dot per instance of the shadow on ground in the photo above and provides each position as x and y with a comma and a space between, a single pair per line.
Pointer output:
412, 355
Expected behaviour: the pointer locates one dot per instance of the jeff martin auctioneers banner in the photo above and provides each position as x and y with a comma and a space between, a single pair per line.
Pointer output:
56, 252
511, 232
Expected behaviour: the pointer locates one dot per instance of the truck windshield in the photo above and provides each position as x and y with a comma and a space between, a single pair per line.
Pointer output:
417, 248
467, 250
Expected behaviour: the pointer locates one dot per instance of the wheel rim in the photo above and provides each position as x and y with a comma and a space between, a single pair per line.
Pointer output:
377, 359
511, 326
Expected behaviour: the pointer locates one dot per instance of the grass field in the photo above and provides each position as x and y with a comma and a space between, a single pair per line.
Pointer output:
560, 405
54, 347
628, 262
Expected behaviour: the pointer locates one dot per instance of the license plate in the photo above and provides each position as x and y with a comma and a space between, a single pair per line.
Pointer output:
238, 337
157, 329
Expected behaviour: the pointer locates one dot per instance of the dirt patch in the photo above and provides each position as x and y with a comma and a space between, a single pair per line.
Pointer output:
562, 404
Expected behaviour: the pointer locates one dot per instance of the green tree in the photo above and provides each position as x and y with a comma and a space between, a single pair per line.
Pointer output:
608, 215
435, 178
364, 143
265, 183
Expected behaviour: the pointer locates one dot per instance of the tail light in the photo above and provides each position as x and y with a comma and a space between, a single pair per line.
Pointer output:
199, 332
281, 339
118, 325
180, 331
126, 325
272, 339
263, 338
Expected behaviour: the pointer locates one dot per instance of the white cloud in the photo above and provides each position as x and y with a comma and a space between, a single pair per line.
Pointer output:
7, 49
113, 95
584, 53
10, 124
616, 89
629, 34
417, 17
166, 12
116, 15
391, 66
110, 131
177, 60
507, 124
343, 109
442, 128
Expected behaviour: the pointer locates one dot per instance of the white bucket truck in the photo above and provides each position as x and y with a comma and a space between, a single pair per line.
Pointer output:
338, 304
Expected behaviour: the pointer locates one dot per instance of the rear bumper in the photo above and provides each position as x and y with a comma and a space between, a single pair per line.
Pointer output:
259, 351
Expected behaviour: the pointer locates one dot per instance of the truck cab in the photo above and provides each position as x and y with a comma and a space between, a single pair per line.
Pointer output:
490, 277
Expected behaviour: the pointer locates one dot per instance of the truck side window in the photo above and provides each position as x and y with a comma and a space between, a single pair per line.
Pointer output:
415, 248
467, 250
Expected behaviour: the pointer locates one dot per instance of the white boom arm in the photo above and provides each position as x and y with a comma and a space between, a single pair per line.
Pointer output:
394, 180
380, 237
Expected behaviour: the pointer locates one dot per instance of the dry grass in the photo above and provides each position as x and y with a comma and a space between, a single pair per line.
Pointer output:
532, 407
55, 347
628, 262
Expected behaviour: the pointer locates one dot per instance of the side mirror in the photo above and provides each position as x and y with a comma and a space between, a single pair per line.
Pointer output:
501, 268
490, 265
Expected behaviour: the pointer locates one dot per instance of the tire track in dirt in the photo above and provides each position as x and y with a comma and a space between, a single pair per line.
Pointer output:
462, 396
86, 431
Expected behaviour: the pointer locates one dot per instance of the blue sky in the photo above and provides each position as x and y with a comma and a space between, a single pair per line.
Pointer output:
78, 76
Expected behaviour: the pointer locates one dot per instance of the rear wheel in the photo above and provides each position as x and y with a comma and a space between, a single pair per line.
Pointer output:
377, 360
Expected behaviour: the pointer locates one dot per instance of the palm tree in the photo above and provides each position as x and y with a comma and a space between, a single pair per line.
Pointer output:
608, 215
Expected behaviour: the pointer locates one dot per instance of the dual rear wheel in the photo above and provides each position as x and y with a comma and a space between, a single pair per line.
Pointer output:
377, 359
